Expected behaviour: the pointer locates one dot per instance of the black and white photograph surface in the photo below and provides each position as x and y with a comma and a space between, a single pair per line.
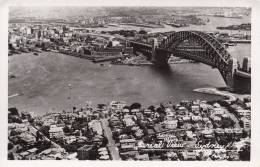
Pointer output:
129, 83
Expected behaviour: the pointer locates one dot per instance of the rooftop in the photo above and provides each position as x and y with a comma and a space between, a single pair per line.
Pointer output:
86, 147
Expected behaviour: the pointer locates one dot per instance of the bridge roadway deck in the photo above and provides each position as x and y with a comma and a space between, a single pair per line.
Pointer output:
243, 74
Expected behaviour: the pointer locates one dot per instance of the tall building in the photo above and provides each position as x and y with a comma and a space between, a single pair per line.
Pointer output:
28, 30
86, 152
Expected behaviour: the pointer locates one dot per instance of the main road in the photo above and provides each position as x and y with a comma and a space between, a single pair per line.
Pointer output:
34, 130
111, 143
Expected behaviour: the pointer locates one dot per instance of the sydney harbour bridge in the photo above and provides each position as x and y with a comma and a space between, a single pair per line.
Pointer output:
200, 47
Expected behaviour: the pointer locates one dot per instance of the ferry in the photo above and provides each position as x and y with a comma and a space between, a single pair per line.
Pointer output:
226, 44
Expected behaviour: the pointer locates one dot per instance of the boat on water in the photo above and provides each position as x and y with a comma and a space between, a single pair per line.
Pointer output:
227, 44
232, 44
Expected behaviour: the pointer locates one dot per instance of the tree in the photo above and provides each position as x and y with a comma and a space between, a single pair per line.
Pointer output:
152, 108
126, 107
59, 140
110, 44
135, 106
10, 156
127, 131
70, 148
42, 145
101, 106
74, 109
161, 111
223, 141
227, 123
193, 129
38, 136
66, 129
244, 153
14, 119
31, 120
142, 32
13, 111
10, 146
241, 123
145, 130
77, 133
104, 142
244, 134
14, 133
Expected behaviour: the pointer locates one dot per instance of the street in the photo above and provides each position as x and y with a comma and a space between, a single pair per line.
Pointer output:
111, 143
33, 130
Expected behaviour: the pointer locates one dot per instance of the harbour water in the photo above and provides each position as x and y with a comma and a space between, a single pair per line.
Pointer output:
42, 82
43, 85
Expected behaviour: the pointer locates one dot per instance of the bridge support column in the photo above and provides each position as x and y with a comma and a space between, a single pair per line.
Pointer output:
161, 59
229, 78
135, 49
154, 46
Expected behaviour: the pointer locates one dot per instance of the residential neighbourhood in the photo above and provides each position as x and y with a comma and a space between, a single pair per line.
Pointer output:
190, 130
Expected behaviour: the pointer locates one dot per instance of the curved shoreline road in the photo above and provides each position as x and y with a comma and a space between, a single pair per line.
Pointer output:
214, 91
111, 143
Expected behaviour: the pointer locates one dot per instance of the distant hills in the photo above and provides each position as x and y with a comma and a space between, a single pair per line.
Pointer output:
78, 12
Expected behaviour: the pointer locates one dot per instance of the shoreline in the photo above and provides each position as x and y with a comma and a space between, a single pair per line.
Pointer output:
214, 91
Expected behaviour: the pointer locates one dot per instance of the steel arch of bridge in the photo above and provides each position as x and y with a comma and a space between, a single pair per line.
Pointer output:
214, 53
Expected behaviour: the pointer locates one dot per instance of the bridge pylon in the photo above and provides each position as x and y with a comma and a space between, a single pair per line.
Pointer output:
154, 46
229, 77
